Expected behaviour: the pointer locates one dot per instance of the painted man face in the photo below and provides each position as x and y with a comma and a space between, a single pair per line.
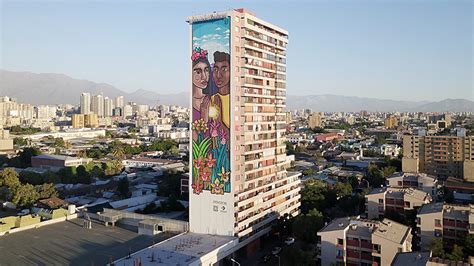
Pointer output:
201, 75
221, 73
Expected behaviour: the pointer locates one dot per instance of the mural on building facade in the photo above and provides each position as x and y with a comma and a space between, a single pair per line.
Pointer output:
211, 106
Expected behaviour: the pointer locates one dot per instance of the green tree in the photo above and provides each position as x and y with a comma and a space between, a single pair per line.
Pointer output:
342, 189
456, 254
388, 171
313, 195
9, 178
123, 187
59, 143
436, 246
295, 256
309, 171
380, 140
46, 191
25, 196
375, 176
25, 156
18, 141
306, 226
468, 244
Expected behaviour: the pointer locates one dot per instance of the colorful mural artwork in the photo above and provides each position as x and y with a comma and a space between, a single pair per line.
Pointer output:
211, 106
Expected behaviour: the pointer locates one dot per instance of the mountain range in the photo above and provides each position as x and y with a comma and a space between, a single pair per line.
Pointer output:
49, 88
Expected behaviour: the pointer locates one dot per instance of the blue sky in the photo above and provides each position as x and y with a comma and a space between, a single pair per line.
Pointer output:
408, 50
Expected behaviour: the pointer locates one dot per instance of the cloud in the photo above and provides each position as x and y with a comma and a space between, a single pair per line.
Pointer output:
196, 39
218, 28
227, 31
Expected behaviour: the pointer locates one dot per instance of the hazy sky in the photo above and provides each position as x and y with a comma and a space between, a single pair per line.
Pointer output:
408, 50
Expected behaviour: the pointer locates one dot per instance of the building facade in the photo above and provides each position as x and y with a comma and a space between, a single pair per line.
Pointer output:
424, 182
441, 156
354, 241
239, 183
85, 103
399, 200
449, 222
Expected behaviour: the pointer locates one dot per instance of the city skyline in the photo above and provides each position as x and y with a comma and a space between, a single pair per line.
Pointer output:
123, 45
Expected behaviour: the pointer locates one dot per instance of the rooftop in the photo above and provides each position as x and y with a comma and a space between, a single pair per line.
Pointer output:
182, 249
411, 258
68, 243
386, 229
391, 231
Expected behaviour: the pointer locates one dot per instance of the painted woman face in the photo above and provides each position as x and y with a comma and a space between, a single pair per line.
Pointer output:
201, 75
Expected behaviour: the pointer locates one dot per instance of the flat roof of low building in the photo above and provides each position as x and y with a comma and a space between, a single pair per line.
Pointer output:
182, 249
411, 258
68, 243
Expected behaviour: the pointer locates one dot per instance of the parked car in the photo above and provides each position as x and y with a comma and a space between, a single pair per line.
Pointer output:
23, 212
276, 250
289, 240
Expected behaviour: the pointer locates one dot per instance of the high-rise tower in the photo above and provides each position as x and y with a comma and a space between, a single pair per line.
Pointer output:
239, 181
85, 103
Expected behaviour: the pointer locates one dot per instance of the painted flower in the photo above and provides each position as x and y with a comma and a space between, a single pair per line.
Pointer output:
224, 175
214, 125
223, 137
197, 188
200, 125
198, 163
210, 161
205, 175
217, 188
198, 53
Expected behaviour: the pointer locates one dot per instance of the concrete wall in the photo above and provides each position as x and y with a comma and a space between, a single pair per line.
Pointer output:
410, 165
468, 171
427, 227
132, 219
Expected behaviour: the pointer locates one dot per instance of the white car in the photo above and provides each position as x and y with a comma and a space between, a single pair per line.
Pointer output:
276, 250
289, 240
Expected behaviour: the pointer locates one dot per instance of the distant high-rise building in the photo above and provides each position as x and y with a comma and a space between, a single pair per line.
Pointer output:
84, 120
108, 106
85, 103
127, 110
45, 111
239, 183
98, 105
77, 120
314, 120
119, 101
441, 156
390, 122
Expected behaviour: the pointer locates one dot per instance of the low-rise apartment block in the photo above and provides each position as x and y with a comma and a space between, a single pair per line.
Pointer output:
448, 222
424, 182
354, 241
380, 200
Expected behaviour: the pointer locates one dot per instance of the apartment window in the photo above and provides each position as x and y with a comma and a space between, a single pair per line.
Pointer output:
437, 222
438, 233
340, 241
376, 248
380, 201
237, 29
237, 19
268, 83
407, 204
